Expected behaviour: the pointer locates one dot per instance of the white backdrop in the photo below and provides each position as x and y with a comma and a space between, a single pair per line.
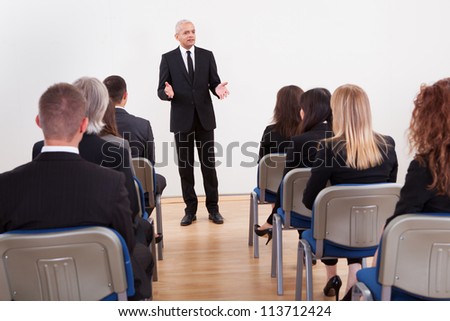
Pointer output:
387, 47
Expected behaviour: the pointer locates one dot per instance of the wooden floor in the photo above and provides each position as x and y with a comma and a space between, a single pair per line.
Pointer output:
205, 261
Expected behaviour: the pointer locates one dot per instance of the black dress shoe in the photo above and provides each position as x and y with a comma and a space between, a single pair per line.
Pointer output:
216, 218
262, 233
188, 219
333, 286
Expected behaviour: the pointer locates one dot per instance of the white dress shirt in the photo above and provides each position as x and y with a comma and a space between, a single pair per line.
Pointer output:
184, 55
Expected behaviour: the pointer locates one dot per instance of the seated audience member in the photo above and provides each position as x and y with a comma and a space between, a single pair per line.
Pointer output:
354, 155
92, 147
427, 183
286, 122
110, 134
136, 130
96, 150
315, 114
60, 189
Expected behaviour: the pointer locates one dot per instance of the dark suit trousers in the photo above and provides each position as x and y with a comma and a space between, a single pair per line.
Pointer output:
204, 141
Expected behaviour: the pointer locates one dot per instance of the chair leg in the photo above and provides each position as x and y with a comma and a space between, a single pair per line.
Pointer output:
304, 253
155, 268
279, 254
250, 222
299, 272
273, 266
361, 290
254, 204
159, 226
308, 274
153, 250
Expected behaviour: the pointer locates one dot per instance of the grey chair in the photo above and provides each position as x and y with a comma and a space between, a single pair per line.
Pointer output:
270, 173
90, 263
346, 223
145, 173
413, 261
139, 192
292, 215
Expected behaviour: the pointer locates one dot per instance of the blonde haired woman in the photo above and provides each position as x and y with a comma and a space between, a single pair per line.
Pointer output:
354, 155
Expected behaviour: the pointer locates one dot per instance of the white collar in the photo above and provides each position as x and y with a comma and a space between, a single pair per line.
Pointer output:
184, 50
53, 149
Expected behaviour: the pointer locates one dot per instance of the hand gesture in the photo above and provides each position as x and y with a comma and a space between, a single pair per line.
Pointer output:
168, 90
222, 91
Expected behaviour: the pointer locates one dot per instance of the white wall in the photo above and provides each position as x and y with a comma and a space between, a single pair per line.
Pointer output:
387, 47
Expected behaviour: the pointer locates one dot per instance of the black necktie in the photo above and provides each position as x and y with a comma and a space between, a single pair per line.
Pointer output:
190, 65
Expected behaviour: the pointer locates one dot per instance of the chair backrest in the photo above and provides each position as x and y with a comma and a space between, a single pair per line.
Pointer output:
293, 185
88, 263
145, 173
270, 173
415, 256
353, 215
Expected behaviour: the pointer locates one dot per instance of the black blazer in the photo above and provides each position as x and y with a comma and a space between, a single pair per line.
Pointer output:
98, 151
273, 142
305, 146
138, 132
330, 166
59, 189
415, 197
189, 96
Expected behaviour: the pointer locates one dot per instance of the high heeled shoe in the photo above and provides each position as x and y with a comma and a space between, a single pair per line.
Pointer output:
262, 233
333, 286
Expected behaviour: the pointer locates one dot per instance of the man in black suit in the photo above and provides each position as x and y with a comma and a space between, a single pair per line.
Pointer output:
60, 189
186, 76
96, 150
136, 130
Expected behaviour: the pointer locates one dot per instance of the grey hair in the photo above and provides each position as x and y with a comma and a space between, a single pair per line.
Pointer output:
97, 99
179, 23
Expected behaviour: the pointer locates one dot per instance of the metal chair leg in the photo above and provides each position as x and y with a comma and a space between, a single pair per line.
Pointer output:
308, 274
279, 254
255, 221
360, 290
273, 266
299, 272
153, 250
250, 222
159, 227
